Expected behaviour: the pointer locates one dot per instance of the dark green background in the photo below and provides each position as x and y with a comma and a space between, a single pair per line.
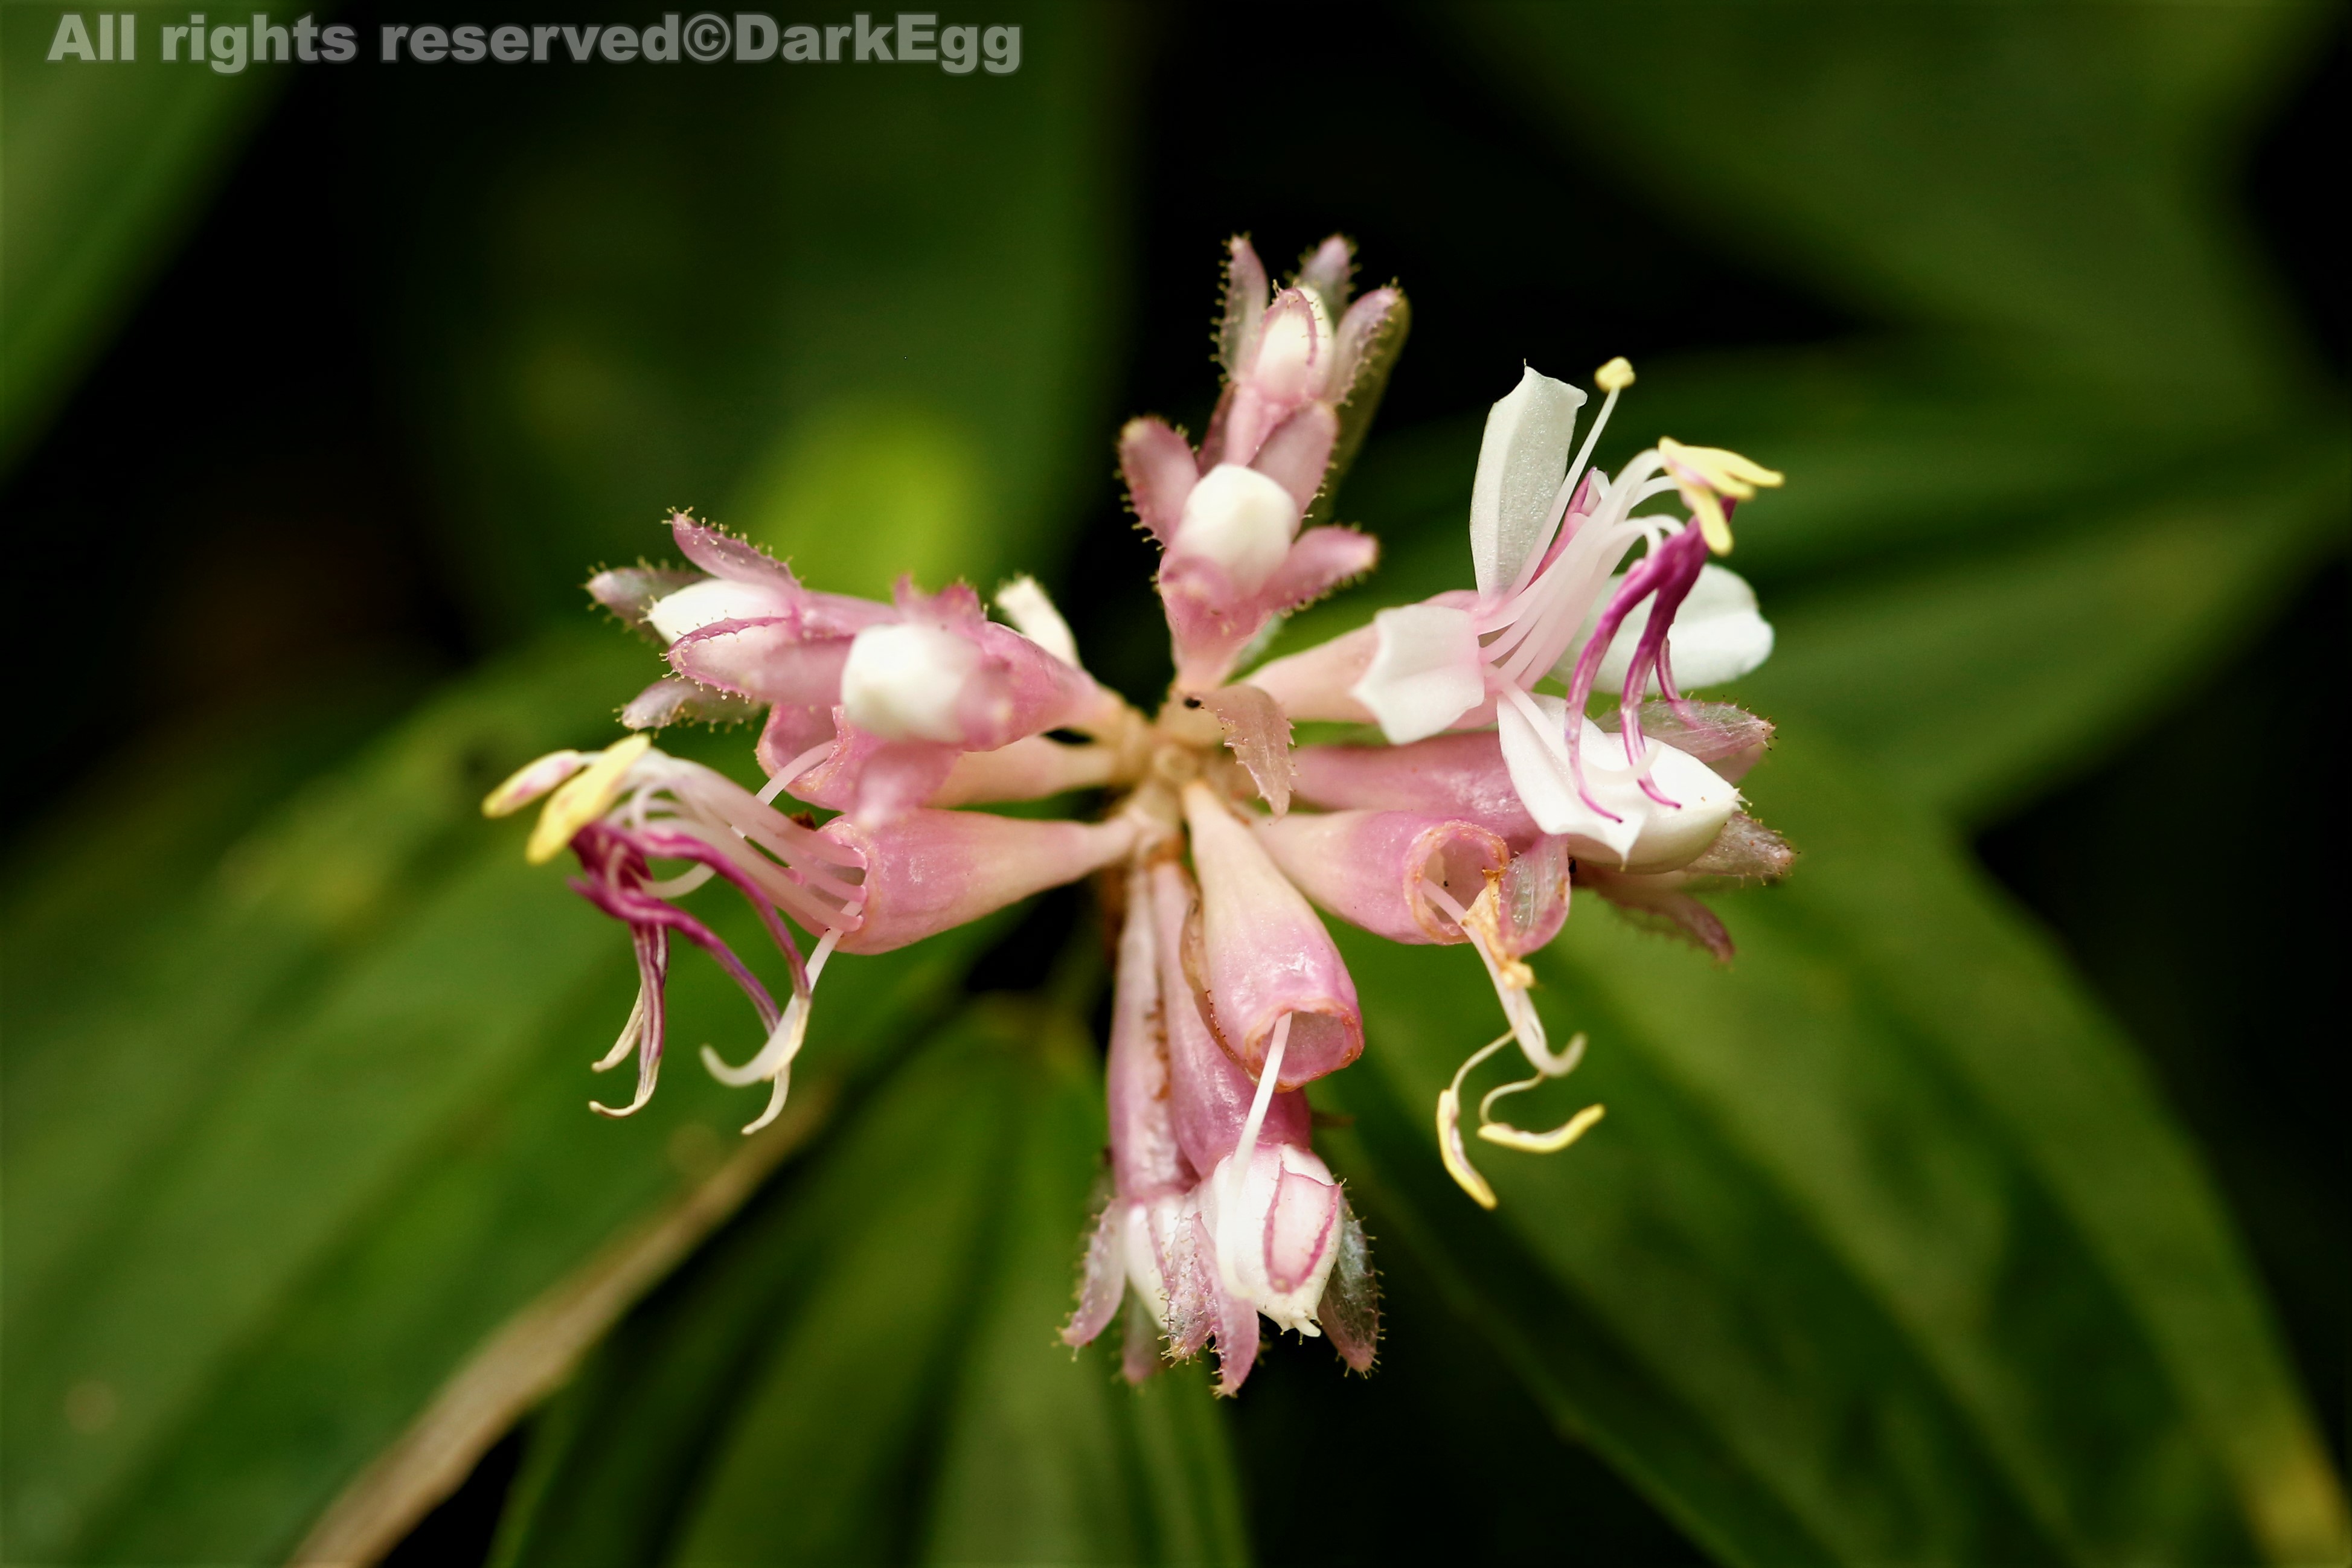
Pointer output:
325, 387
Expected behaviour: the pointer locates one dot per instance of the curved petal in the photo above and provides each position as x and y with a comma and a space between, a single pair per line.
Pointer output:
1521, 464
1426, 672
1161, 471
764, 660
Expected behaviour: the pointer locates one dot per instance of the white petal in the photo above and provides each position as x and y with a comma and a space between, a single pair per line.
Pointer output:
1241, 520
1718, 635
1538, 760
1425, 673
905, 683
710, 601
1520, 466
1646, 836
1032, 615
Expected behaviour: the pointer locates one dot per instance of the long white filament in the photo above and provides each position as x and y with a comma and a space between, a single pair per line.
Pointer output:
1245, 1151
1565, 495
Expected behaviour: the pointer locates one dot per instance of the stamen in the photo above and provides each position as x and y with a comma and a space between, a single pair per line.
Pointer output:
681, 884
1549, 1142
1450, 1148
628, 1041
1245, 1151
582, 799
774, 1062
792, 771
533, 780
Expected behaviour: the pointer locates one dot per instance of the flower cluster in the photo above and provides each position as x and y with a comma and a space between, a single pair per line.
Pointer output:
1491, 799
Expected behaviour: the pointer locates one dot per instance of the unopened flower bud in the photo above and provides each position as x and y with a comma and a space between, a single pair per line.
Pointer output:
905, 681
1293, 347
1240, 520
711, 601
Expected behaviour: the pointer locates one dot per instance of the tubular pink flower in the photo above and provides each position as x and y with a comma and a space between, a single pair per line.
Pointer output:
1213, 1093
1368, 868
1138, 1237
927, 870
1265, 956
1270, 1231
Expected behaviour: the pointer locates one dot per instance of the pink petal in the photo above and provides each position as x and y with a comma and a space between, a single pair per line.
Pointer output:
1368, 867
630, 592
722, 554
1265, 954
1209, 1095
674, 699
766, 660
1320, 562
1146, 1157
1160, 471
1358, 333
1245, 290
1104, 1281
1298, 1223
1296, 452
1445, 776
1327, 270
791, 730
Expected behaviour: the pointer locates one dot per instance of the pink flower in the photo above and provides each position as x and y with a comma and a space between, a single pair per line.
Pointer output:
1490, 803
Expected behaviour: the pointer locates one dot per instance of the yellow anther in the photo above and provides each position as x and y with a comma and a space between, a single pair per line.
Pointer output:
1549, 1142
1726, 472
1712, 523
533, 780
1457, 1158
583, 799
1614, 376
1706, 474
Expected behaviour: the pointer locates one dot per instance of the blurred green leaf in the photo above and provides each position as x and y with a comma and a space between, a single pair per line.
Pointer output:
1886, 1251
2057, 176
1974, 684
281, 1158
864, 1369
859, 315
104, 164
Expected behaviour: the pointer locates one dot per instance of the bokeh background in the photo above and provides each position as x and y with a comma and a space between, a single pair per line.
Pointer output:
1989, 1210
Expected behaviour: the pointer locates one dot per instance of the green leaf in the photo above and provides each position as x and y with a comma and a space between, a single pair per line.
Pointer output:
1974, 684
864, 1367
1886, 1249
2058, 176
283, 1155
858, 315
104, 163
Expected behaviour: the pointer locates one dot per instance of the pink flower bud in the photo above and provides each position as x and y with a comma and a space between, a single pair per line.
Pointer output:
1265, 956
1209, 1094
1239, 521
